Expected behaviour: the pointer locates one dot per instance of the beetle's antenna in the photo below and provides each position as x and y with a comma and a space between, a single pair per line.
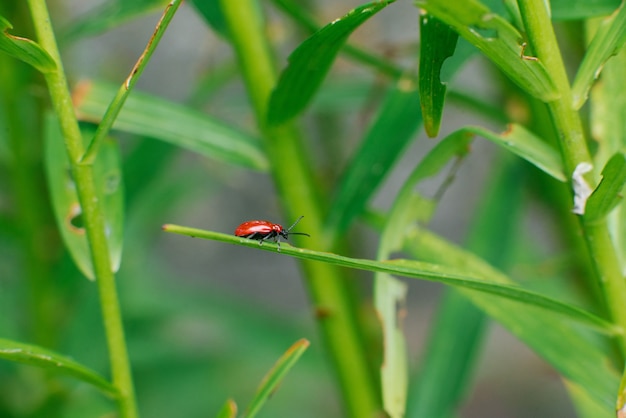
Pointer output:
294, 224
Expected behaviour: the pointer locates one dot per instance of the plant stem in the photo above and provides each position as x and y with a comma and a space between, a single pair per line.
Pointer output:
91, 212
574, 151
294, 181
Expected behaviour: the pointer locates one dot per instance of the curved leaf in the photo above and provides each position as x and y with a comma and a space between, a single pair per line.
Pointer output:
608, 193
608, 41
310, 62
549, 335
438, 42
526, 145
414, 270
40, 357
153, 117
273, 378
67, 209
24, 49
497, 39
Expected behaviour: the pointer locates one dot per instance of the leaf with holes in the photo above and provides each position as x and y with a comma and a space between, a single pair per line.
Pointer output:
608, 194
438, 42
608, 41
498, 40
67, 209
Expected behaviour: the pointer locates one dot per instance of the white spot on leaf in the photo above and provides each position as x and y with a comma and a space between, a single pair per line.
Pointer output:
582, 190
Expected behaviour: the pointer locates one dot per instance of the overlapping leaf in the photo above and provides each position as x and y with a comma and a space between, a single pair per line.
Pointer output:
608, 194
310, 62
24, 49
67, 208
498, 40
150, 116
438, 42
607, 41
415, 270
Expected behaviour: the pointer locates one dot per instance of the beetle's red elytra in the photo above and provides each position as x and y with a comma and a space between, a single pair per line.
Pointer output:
264, 230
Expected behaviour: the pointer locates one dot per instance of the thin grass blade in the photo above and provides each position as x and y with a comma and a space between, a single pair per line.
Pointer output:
273, 378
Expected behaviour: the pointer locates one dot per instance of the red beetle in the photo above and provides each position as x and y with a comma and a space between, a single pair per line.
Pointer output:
263, 230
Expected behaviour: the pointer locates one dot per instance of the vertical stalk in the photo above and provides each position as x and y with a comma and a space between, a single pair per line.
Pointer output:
292, 176
574, 151
91, 212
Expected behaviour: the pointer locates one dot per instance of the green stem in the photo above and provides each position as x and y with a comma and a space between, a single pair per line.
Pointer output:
574, 151
294, 181
91, 212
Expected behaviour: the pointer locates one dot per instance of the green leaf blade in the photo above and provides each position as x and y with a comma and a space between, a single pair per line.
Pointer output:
548, 334
608, 41
438, 42
44, 358
390, 301
229, 410
526, 145
498, 40
310, 62
608, 194
67, 208
24, 49
146, 115
415, 270
273, 378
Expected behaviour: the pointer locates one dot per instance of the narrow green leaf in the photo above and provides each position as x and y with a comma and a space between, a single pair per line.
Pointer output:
393, 128
310, 62
229, 410
24, 49
526, 145
390, 304
608, 194
110, 15
498, 40
415, 270
581, 9
273, 378
458, 331
447, 363
608, 40
67, 210
115, 106
44, 358
549, 335
153, 117
438, 42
